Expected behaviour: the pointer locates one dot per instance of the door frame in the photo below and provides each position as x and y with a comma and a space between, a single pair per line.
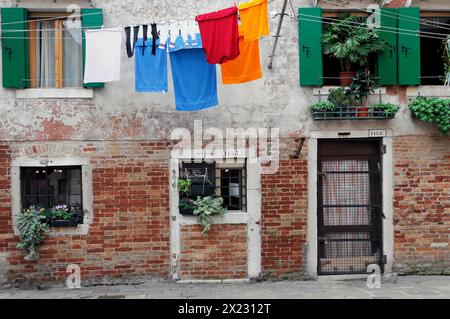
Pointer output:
387, 194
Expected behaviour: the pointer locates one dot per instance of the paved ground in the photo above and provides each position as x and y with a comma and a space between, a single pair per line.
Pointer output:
397, 288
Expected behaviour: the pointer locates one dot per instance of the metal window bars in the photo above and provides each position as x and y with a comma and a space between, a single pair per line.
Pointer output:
353, 112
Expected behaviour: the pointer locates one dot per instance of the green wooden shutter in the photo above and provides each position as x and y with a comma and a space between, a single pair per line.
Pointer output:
387, 61
409, 46
15, 58
310, 46
91, 19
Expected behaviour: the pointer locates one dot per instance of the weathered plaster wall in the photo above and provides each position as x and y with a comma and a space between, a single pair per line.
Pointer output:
117, 112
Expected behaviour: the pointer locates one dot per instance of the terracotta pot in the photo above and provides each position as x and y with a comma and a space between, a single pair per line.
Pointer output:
363, 111
346, 78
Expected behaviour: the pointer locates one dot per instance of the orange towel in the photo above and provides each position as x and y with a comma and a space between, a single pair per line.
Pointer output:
254, 19
246, 67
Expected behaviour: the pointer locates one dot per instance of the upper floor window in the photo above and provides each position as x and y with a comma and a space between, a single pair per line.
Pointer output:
414, 47
55, 51
45, 50
435, 30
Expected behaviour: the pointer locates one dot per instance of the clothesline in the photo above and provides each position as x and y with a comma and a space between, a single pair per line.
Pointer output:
324, 20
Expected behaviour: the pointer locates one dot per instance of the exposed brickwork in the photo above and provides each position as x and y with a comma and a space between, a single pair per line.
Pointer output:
284, 217
220, 255
6, 236
422, 203
129, 235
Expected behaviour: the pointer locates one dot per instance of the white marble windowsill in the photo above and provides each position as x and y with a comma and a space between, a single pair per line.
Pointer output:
66, 93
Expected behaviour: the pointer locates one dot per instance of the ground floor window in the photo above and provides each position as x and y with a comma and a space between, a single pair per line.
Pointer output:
47, 187
222, 179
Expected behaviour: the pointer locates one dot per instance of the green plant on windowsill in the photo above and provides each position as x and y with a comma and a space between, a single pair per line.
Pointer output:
205, 209
323, 107
184, 186
32, 226
389, 110
432, 110
61, 212
339, 97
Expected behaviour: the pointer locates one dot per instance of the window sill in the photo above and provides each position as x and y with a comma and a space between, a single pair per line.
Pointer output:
67, 93
324, 90
80, 230
428, 90
231, 217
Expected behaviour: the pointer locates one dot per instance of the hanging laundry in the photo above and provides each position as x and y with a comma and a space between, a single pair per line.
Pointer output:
246, 67
163, 34
130, 49
220, 35
254, 19
194, 80
144, 36
103, 53
187, 36
150, 70
154, 38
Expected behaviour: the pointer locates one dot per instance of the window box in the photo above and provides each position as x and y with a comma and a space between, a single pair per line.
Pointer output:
351, 113
72, 222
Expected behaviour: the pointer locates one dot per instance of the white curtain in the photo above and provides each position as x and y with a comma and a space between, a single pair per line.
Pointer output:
45, 54
47, 68
72, 54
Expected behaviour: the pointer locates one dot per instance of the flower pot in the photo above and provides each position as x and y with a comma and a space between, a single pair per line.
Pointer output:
346, 78
71, 222
363, 111
187, 211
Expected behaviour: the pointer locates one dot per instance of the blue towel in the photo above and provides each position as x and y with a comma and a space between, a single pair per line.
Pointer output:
150, 70
192, 43
194, 80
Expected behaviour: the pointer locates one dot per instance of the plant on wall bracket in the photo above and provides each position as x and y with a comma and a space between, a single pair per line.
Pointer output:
32, 226
432, 110
206, 208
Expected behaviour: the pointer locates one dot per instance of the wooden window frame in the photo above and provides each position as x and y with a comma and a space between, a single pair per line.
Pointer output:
59, 52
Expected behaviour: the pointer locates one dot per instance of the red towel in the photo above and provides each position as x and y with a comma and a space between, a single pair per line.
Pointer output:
220, 35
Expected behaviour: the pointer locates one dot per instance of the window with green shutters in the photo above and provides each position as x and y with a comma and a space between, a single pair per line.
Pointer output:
310, 46
400, 64
409, 46
40, 52
15, 48
91, 19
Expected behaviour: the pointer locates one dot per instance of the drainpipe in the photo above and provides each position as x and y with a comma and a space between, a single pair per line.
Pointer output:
277, 36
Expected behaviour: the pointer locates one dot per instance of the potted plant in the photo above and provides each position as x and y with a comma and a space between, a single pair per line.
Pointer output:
186, 204
341, 100
62, 216
361, 87
432, 110
387, 110
205, 209
351, 42
319, 109
32, 226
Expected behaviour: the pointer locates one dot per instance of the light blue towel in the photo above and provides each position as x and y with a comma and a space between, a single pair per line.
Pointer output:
150, 70
194, 80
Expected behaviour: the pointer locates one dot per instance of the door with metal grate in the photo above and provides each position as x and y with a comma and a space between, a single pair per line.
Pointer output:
349, 207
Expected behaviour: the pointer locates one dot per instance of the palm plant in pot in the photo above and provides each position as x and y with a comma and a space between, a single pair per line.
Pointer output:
351, 42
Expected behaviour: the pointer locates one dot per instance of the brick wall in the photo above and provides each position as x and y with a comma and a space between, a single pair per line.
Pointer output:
284, 216
220, 255
129, 235
5, 209
422, 204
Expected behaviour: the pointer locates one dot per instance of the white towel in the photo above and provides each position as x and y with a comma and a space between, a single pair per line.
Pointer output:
103, 55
